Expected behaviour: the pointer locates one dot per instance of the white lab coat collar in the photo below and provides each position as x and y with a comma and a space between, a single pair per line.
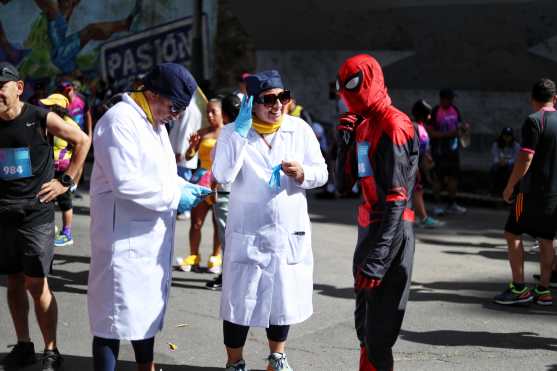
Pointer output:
287, 124
126, 98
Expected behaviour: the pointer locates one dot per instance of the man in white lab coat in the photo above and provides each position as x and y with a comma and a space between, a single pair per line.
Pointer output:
135, 192
270, 159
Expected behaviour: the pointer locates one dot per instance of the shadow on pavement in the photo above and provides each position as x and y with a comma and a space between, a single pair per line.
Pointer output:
73, 363
334, 292
67, 281
451, 292
494, 254
431, 241
552, 367
451, 338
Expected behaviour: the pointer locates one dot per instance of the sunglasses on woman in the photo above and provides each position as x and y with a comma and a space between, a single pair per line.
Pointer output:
270, 100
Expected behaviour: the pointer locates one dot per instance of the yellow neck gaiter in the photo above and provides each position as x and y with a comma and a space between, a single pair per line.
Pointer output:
262, 127
141, 101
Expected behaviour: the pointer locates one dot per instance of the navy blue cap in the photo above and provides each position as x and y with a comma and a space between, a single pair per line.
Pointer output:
8, 72
173, 81
262, 81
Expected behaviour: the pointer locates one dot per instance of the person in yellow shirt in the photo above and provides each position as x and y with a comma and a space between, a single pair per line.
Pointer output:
202, 142
58, 104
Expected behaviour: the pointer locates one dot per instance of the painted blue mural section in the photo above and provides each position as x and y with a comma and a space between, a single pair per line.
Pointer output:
115, 39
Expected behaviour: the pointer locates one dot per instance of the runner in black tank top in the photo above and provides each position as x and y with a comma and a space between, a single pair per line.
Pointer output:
28, 130
27, 189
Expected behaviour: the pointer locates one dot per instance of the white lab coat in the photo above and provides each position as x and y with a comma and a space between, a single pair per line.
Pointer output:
268, 262
135, 191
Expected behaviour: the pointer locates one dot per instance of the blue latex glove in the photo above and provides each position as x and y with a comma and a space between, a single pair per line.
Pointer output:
243, 120
274, 182
192, 195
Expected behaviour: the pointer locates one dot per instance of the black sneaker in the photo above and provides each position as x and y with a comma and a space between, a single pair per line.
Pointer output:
52, 360
215, 284
552, 280
512, 296
22, 354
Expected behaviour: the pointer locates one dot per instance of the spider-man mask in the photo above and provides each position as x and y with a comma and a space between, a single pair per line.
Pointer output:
361, 85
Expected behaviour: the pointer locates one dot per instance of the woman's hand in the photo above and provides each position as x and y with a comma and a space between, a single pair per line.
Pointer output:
294, 170
194, 140
243, 120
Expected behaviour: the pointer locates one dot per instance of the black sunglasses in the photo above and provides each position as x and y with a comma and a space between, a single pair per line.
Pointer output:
271, 99
176, 108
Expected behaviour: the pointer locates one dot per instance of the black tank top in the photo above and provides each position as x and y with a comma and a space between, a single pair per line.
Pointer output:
27, 130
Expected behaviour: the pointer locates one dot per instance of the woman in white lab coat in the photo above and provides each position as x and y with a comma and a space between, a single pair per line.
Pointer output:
135, 192
270, 159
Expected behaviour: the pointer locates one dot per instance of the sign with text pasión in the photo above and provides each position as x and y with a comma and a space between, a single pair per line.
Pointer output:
123, 59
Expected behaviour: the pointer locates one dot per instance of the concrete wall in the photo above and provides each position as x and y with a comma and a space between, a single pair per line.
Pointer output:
307, 74
490, 52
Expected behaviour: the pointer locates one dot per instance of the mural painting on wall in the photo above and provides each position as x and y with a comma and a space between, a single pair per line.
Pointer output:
115, 40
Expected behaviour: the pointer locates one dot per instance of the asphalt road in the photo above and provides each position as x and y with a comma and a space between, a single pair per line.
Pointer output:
451, 323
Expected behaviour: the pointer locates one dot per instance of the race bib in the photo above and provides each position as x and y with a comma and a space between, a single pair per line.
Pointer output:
364, 166
15, 163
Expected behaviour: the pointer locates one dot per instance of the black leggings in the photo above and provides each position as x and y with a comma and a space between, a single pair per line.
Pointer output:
235, 335
105, 352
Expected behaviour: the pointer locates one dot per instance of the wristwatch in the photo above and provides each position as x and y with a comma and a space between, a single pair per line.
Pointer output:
66, 180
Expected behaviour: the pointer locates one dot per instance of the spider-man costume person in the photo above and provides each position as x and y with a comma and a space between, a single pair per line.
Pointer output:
378, 147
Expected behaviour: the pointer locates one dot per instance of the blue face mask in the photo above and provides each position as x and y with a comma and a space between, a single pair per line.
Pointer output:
274, 182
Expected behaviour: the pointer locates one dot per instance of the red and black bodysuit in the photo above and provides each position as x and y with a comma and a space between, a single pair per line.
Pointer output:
378, 147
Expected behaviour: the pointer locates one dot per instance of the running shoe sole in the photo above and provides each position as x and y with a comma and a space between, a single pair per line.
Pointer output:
67, 243
527, 300
215, 270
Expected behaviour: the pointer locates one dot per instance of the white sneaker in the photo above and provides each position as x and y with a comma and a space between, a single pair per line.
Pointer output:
238, 366
278, 362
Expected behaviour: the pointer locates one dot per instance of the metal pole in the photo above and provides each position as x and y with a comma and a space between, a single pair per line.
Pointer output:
197, 45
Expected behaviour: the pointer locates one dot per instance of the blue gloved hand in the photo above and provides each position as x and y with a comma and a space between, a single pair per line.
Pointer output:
192, 195
243, 120
274, 182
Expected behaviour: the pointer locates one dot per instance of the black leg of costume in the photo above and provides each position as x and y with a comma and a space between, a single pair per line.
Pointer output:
379, 312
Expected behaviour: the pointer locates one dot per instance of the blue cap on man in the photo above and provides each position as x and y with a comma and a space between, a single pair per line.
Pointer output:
8, 72
173, 81
265, 80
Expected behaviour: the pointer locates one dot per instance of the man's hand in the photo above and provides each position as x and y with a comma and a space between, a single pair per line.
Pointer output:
50, 190
508, 194
347, 124
364, 282
294, 170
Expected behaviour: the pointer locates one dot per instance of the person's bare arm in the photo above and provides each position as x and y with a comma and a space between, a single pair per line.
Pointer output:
521, 166
80, 142
89, 123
